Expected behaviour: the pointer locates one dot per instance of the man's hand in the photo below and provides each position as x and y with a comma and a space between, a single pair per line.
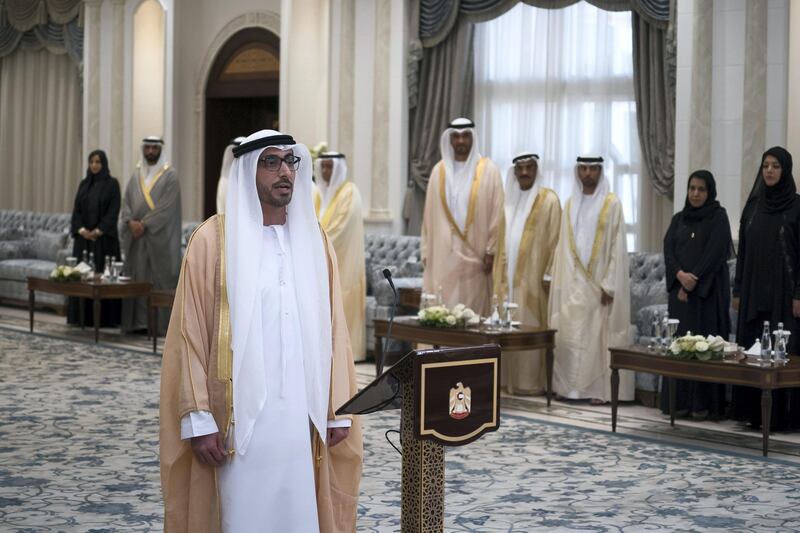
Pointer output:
796, 308
735, 303
687, 280
136, 227
605, 298
488, 263
683, 296
210, 449
336, 435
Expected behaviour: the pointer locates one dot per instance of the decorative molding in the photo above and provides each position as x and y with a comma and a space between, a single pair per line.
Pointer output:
754, 105
702, 63
255, 19
379, 193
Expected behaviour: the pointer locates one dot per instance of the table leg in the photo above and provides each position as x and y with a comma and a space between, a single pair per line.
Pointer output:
31, 304
81, 310
672, 393
549, 357
766, 414
614, 397
152, 317
378, 356
96, 318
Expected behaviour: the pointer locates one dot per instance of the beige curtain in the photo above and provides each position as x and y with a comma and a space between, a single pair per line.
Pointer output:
655, 214
40, 131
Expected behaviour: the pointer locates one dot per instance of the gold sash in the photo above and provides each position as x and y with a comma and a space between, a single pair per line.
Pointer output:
473, 198
145, 189
224, 352
598, 236
329, 211
529, 226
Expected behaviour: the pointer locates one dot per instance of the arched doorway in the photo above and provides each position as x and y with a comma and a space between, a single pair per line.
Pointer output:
241, 97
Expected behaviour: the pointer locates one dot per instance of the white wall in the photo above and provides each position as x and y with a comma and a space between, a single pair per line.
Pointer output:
726, 126
343, 80
201, 30
148, 73
368, 103
793, 111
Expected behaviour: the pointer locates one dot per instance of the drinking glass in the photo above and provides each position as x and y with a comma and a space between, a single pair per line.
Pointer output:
510, 308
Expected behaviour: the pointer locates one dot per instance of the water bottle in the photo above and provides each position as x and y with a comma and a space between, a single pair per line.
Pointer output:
494, 319
85, 256
766, 342
91, 261
107, 268
780, 343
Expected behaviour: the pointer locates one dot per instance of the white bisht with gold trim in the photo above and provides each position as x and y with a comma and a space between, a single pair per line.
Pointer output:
461, 224
343, 221
585, 265
153, 196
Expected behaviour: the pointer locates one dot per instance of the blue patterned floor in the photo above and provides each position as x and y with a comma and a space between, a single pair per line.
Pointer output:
78, 452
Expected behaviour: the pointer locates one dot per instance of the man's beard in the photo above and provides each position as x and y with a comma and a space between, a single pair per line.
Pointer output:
268, 198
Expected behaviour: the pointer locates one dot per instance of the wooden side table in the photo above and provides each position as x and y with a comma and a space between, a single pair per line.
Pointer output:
95, 290
157, 299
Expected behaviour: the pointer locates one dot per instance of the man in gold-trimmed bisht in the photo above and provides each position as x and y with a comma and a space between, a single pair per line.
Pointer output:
150, 231
521, 272
461, 222
256, 360
590, 292
338, 206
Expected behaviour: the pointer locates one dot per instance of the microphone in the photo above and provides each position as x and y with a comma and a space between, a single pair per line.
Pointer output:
388, 275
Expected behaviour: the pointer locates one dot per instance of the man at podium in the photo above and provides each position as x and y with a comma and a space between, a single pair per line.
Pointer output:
257, 358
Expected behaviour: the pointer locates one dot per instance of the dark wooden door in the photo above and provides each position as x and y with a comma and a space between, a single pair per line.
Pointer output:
241, 98
226, 119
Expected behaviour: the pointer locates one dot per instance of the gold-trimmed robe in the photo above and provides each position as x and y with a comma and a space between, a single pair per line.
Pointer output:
524, 372
585, 327
343, 222
156, 255
453, 256
195, 377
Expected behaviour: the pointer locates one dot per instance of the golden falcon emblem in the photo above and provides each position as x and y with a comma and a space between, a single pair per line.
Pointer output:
460, 401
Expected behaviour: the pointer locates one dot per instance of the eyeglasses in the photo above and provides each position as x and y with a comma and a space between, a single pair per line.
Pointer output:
273, 162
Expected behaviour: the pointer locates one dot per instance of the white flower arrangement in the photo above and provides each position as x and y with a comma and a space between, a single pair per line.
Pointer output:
697, 347
65, 273
441, 317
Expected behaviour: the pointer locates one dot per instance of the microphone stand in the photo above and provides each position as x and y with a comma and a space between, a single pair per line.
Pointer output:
388, 275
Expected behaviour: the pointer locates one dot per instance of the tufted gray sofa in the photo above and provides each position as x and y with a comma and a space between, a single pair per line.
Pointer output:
31, 244
400, 254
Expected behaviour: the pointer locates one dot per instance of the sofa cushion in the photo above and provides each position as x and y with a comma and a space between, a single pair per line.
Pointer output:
20, 269
14, 249
647, 280
47, 244
397, 252
9, 234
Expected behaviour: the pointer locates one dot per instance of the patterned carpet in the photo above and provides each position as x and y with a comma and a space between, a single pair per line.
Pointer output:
78, 452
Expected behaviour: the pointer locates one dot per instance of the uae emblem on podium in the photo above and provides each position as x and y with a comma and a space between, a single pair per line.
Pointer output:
460, 401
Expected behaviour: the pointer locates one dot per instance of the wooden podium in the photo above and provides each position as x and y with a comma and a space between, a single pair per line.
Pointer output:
448, 397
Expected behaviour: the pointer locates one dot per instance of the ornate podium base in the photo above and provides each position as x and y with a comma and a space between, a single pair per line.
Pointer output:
423, 472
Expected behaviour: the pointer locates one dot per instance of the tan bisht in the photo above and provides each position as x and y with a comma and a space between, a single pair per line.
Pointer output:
343, 222
523, 372
195, 376
453, 256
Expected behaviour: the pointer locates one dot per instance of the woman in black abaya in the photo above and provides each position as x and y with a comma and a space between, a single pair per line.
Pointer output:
767, 283
696, 249
94, 229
